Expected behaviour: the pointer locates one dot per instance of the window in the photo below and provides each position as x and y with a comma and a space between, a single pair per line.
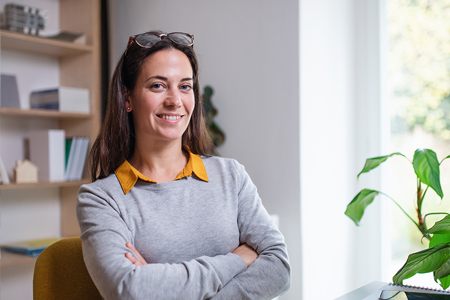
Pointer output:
419, 79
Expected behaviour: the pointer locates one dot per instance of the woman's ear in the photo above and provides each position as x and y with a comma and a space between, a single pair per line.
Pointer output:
128, 105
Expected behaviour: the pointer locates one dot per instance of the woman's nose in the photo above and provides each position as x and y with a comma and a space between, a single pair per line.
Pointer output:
173, 98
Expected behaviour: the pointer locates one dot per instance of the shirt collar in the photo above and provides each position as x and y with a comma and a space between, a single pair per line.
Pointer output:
128, 175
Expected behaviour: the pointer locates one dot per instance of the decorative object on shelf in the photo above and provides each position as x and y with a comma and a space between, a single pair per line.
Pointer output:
215, 132
436, 258
9, 92
64, 99
4, 179
31, 248
77, 38
47, 151
24, 19
25, 172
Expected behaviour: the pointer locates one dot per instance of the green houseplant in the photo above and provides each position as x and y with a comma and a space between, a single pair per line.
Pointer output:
436, 258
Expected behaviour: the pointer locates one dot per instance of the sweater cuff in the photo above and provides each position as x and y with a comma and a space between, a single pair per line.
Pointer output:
229, 267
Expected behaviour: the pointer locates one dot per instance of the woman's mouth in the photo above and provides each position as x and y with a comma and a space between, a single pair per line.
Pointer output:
169, 117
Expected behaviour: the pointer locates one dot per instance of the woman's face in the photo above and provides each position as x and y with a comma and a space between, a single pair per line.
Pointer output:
163, 98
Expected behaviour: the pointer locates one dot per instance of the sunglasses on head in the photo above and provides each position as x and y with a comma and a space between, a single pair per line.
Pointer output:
148, 40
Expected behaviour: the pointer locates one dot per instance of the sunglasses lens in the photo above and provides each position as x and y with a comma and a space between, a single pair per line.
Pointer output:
147, 40
181, 38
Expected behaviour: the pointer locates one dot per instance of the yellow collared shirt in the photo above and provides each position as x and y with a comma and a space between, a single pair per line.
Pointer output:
128, 175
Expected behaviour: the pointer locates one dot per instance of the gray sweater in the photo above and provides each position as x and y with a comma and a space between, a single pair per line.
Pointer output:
186, 230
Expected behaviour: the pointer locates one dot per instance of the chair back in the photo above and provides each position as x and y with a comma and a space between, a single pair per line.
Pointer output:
60, 273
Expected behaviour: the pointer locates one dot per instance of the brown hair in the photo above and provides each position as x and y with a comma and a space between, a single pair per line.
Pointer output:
116, 140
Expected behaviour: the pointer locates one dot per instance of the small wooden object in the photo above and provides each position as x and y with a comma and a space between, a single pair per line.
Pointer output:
25, 172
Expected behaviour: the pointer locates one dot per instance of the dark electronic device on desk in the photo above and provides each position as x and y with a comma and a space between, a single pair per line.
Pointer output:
414, 294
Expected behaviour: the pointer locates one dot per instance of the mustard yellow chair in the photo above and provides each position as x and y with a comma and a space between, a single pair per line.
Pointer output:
60, 273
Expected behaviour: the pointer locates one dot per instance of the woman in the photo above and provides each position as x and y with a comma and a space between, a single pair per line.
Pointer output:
163, 218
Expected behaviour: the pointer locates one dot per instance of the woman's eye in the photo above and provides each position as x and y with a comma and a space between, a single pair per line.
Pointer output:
156, 86
186, 87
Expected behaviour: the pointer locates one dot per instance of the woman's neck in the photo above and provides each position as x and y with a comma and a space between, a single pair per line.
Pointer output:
161, 162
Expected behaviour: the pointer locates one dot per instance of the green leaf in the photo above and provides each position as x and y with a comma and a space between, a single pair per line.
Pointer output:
424, 261
441, 227
436, 240
355, 209
426, 167
443, 271
372, 163
445, 282
439, 239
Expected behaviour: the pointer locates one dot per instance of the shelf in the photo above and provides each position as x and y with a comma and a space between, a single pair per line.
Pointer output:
12, 259
15, 186
42, 113
41, 45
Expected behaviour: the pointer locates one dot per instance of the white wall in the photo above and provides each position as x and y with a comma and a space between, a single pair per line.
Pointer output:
248, 52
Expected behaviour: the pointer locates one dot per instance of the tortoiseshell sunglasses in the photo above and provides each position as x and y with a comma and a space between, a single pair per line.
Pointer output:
148, 40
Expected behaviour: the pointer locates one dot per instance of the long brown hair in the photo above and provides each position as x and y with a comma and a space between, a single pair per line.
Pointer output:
116, 140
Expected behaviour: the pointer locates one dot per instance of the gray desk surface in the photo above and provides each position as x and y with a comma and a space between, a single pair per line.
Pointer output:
367, 292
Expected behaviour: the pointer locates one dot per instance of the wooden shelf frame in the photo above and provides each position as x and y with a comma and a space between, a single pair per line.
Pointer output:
16, 186
41, 45
44, 113
13, 259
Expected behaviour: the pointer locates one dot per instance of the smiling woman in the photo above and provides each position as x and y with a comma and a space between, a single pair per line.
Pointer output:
163, 218
163, 101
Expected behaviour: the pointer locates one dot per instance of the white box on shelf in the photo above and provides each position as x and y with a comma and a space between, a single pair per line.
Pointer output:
64, 99
47, 151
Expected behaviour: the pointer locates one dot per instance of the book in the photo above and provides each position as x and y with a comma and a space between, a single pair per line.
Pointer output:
4, 178
77, 38
47, 152
9, 96
81, 158
70, 153
65, 99
76, 158
30, 247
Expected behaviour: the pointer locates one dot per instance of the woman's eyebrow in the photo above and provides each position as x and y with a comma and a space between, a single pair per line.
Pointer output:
166, 79
157, 77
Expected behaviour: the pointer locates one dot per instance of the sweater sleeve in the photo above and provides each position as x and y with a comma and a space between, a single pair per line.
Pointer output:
269, 275
104, 234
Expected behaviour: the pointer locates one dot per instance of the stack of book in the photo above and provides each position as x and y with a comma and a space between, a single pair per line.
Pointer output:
30, 248
76, 151
64, 99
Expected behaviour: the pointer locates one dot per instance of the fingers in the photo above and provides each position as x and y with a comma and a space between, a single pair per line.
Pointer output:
132, 258
138, 260
246, 253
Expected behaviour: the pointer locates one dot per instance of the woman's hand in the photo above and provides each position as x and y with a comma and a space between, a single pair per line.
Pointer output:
139, 261
248, 254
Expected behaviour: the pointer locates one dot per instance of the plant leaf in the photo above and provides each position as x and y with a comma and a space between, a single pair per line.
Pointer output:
443, 271
441, 227
355, 209
372, 163
445, 282
424, 261
426, 167
439, 239
436, 240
